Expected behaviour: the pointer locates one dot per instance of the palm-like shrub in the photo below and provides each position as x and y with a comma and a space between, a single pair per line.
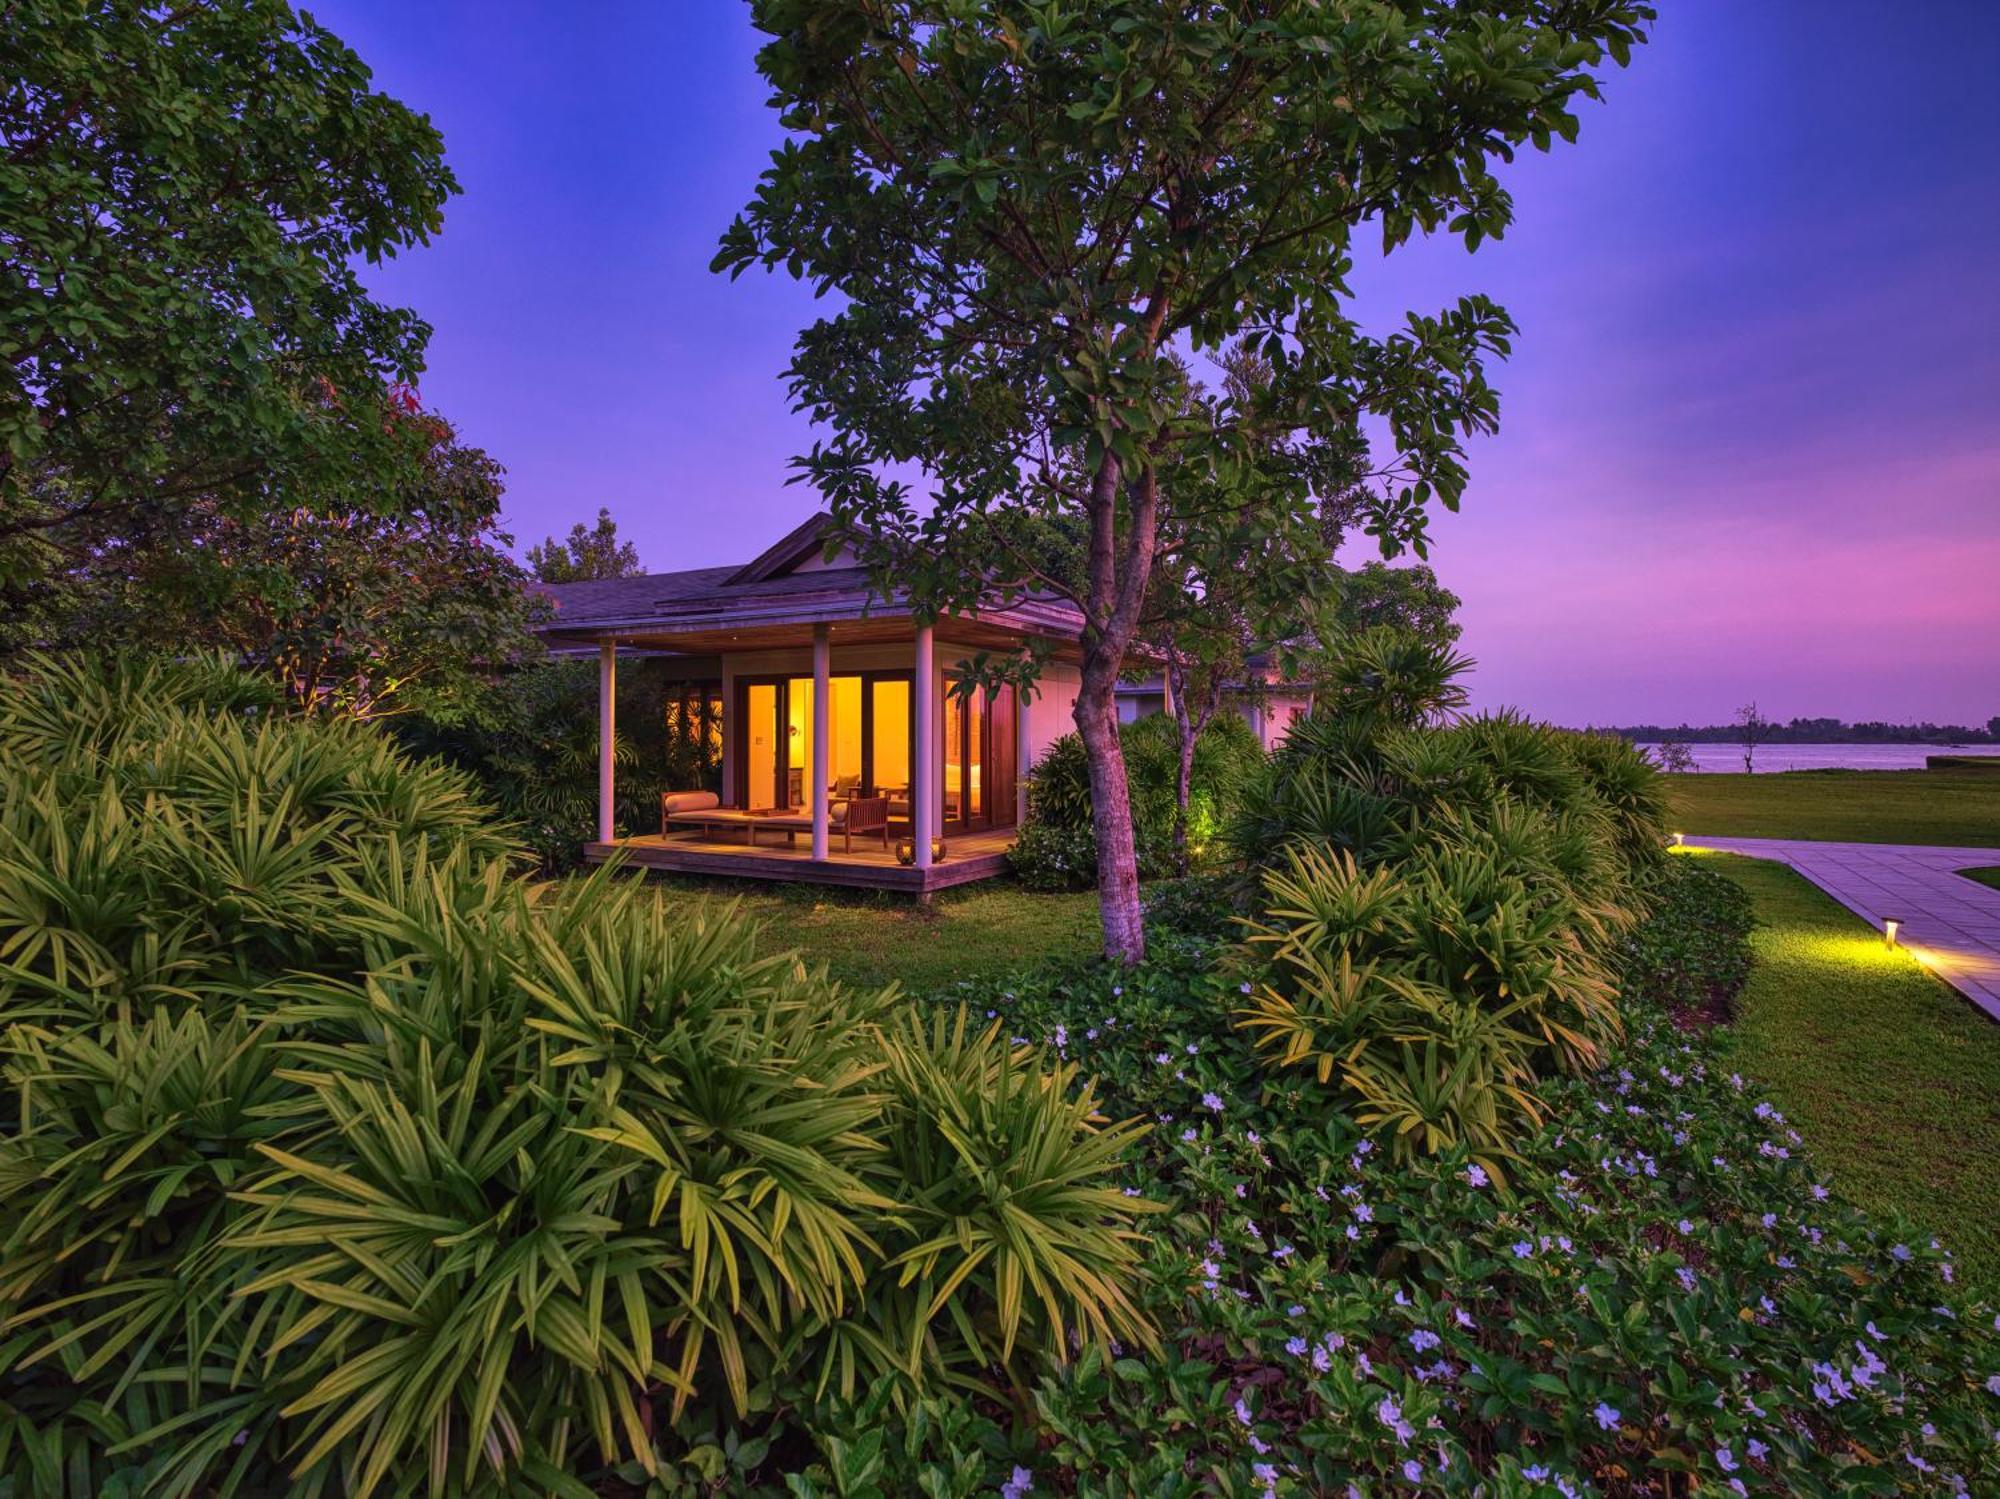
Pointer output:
1386, 678
1445, 911
334, 1158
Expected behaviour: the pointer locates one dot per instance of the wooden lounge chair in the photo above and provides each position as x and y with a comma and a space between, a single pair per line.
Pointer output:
861, 814
699, 812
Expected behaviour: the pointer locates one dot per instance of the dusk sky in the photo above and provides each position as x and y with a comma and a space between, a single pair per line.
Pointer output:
1750, 440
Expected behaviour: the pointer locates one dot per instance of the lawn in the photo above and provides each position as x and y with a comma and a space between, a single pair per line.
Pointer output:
1861, 806
1987, 876
975, 932
1893, 1079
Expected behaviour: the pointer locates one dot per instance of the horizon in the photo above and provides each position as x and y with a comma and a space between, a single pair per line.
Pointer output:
1746, 446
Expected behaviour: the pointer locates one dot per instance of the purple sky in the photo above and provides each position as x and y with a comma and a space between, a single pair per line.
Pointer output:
1750, 437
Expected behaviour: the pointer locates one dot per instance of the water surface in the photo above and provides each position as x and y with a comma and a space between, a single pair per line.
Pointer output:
1772, 757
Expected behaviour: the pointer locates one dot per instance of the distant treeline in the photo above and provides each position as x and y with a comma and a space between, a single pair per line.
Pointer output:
1814, 731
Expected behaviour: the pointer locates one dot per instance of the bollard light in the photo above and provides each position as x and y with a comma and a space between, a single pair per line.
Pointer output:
1889, 925
1680, 840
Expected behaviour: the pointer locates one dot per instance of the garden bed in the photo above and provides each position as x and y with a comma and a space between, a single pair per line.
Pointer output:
1672, 1290
1432, 1184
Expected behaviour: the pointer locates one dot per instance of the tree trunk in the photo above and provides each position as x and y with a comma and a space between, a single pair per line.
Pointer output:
1111, 618
1111, 816
1120, 563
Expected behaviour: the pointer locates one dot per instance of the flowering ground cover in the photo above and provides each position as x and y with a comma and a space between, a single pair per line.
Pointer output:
1672, 1294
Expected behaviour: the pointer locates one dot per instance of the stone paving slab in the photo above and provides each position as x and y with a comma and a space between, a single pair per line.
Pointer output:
1951, 924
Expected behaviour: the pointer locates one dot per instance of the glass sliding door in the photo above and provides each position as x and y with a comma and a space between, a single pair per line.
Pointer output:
847, 732
966, 720
799, 740
868, 748
889, 735
763, 743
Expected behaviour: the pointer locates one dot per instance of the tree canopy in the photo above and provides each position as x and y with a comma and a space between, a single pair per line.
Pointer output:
1409, 599
1035, 214
587, 554
351, 609
185, 191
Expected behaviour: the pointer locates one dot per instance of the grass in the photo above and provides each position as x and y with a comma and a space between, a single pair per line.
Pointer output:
1959, 807
1985, 876
1891, 1076
978, 931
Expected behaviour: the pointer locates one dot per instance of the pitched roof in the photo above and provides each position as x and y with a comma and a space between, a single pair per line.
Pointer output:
797, 545
771, 589
700, 590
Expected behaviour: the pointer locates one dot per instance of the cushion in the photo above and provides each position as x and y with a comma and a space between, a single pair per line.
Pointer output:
688, 801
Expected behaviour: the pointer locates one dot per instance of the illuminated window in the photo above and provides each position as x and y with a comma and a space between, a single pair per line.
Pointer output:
890, 699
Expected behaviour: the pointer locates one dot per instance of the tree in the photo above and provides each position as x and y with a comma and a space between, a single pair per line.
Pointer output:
1033, 213
1674, 758
188, 189
1752, 729
352, 610
1409, 599
588, 554
1993, 727
1239, 567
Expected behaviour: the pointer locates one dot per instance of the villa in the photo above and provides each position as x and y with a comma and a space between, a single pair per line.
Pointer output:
818, 693
815, 693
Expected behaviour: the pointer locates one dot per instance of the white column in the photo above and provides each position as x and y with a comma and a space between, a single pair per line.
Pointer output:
607, 733
1021, 745
822, 724
923, 774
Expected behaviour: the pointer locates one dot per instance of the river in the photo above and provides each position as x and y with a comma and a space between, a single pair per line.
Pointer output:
1771, 757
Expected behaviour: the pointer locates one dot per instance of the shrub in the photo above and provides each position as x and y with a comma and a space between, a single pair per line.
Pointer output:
530, 740
1384, 677
1693, 957
335, 1159
1426, 991
1447, 910
1056, 847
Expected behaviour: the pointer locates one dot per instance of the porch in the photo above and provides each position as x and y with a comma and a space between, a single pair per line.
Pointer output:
968, 857
832, 723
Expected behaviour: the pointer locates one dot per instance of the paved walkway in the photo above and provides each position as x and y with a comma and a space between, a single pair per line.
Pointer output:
1950, 923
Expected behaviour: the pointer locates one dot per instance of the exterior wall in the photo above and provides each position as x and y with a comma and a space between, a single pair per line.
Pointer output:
1052, 714
818, 564
1281, 711
1271, 714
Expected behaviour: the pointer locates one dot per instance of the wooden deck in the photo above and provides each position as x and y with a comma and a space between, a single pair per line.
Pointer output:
968, 857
